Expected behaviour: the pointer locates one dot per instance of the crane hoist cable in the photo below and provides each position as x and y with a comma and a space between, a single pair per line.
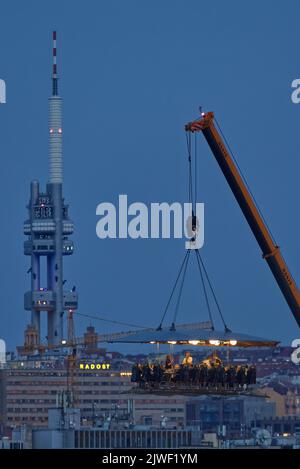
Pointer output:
192, 152
190, 175
194, 225
192, 190
180, 279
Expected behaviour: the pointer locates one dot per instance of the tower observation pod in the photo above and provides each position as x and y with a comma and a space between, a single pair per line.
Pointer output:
48, 228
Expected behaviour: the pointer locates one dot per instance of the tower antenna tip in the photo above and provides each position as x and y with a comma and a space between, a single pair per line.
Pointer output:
54, 65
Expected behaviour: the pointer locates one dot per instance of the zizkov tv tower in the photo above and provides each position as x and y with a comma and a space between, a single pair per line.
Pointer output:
48, 228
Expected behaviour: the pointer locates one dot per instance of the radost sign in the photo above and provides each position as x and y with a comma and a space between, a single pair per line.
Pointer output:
94, 366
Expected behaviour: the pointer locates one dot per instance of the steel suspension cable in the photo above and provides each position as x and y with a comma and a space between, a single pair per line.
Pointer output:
172, 293
212, 290
180, 290
205, 291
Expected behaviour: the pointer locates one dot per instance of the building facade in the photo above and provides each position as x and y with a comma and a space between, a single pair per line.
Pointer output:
33, 386
236, 415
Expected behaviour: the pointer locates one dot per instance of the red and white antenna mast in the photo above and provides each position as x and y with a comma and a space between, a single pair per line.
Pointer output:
54, 66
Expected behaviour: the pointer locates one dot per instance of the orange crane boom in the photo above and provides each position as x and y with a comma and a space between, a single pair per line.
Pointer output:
270, 251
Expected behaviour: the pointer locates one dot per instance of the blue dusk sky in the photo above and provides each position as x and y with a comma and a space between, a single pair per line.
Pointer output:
132, 73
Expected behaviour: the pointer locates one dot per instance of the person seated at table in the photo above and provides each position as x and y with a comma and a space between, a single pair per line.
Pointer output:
188, 359
169, 362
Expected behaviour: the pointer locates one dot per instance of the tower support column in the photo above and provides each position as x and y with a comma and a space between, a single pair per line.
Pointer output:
35, 286
35, 263
55, 317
